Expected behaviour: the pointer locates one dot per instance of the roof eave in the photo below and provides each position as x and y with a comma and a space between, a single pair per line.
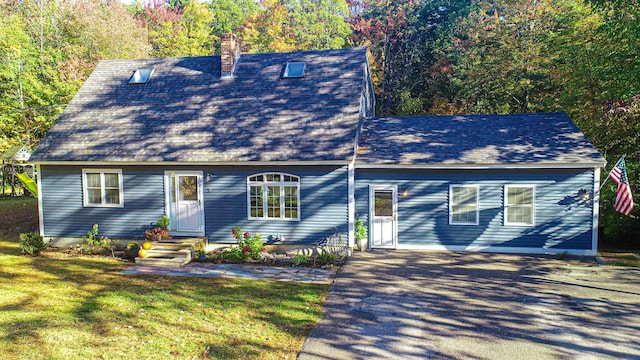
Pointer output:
191, 163
582, 165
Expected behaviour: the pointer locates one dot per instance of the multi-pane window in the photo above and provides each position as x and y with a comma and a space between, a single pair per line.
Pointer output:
274, 196
519, 205
102, 187
463, 205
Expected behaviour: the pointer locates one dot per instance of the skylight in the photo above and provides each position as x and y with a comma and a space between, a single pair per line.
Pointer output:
294, 70
141, 76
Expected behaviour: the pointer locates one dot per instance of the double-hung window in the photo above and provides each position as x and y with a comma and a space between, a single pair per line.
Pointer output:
102, 188
273, 196
519, 205
463, 205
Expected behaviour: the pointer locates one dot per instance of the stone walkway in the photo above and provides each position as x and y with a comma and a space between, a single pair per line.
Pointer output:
293, 274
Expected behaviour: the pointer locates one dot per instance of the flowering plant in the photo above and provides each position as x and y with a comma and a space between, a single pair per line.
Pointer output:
251, 245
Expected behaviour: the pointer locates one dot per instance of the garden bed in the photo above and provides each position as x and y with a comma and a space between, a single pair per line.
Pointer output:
322, 260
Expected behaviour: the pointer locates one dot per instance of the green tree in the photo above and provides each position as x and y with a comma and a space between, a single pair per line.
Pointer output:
616, 134
231, 15
505, 60
297, 25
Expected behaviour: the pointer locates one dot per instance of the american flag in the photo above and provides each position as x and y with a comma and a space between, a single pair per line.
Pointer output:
624, 200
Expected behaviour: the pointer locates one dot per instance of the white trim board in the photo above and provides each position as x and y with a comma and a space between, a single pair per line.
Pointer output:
351, 206
481, 166
40, 208
497, 249
195, 163
596, 209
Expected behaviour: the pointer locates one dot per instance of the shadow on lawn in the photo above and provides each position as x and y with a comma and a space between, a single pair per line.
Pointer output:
115, 313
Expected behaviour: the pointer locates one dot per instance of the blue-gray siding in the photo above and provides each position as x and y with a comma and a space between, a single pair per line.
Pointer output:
323, 202
562, 221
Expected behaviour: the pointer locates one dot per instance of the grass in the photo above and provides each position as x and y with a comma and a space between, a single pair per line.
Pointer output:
60, 307
620, 258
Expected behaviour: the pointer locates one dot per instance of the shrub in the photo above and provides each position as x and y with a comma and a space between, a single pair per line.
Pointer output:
327, 258
300, 259
251, 246
31, 243
232, 254
94, 243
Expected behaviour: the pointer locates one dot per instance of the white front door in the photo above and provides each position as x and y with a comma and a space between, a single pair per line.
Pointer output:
383, 215
184, 199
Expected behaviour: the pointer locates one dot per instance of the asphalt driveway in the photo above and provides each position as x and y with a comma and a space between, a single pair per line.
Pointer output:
417, 305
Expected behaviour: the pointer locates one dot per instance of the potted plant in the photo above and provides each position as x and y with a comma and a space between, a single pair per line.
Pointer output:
154, 234
201, 255
133, 247
163, 223
360, 234
161, 231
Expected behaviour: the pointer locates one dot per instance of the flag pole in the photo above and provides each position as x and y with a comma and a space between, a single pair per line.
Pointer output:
614, 166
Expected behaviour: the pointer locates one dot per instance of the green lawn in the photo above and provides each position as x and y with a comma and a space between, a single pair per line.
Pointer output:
620, 258
60, 307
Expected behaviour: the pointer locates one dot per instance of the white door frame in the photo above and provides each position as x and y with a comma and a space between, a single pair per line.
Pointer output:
173, 213
394, 192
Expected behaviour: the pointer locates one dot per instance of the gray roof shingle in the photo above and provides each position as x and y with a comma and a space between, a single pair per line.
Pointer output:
518, 139
187, 113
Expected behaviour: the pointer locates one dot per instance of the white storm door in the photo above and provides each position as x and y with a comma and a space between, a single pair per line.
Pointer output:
187, 215
383, 214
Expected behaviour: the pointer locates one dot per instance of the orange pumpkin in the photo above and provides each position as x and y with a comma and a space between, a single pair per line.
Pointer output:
146, 245
142, 253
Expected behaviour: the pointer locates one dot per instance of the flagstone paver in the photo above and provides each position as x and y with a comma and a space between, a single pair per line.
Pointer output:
231, 271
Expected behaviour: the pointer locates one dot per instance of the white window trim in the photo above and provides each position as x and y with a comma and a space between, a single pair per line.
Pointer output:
264, 185
506, 205
85, 194
451, 222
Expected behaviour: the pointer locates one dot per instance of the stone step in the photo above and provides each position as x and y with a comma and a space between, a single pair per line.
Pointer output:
172, 252
166, 257
169, 245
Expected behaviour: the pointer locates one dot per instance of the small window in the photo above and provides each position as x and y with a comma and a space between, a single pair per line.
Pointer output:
141, 76
102, 188
463, 205
273, 196
519, 204
294, 70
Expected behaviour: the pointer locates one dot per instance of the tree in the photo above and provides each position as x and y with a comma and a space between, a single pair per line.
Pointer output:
616, 134
296, 25
231, 15
504, 61
387, 28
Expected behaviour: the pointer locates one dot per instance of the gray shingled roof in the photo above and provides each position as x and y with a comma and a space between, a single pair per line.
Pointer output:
475, 140
187, 113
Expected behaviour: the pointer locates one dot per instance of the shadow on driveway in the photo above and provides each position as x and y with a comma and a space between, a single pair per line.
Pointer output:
447, 305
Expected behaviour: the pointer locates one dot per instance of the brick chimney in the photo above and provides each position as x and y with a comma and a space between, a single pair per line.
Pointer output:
229, 54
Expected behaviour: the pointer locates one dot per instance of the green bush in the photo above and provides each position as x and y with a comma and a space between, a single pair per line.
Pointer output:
94, 243
300, 259
327, 258
251, 246
31, 243
232, 254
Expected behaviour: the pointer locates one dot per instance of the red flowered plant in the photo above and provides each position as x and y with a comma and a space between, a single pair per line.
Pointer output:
251, 245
